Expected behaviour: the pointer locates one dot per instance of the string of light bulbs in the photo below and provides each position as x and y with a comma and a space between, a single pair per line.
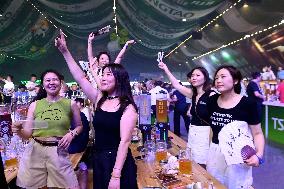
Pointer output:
7, 56
205, 26
247, 36
115, 19
45, 17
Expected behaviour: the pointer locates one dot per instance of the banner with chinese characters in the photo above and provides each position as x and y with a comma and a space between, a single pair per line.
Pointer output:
161, 111
144, 109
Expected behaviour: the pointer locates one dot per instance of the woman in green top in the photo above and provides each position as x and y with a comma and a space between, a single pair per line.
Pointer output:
45, 161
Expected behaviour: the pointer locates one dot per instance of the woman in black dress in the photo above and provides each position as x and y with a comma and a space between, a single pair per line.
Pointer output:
115, 119
3, 182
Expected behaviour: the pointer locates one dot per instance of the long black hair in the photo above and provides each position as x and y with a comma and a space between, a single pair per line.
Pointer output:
206, 85
42, 92
122, 86
236, 75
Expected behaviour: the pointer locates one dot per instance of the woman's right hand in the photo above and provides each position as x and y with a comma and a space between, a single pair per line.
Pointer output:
17, 127
163, 66
60, 43
91, 37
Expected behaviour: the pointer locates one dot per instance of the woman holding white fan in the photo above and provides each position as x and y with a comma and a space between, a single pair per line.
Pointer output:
230, 109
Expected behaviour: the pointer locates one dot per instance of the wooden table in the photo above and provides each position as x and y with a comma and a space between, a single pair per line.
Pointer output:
146, 171
11, 172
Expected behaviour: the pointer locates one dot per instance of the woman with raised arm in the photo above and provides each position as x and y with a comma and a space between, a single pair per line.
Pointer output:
199, 130
45, 162
226, 108
114, 121
103, 58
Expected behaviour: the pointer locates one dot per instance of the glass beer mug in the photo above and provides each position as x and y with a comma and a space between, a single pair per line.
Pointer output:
149, 151
185, 161
161, 151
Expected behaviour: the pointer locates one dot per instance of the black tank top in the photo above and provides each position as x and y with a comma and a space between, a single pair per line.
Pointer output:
107, 129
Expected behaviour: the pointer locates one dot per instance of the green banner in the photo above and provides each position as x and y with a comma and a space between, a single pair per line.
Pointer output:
193, 10
276, 124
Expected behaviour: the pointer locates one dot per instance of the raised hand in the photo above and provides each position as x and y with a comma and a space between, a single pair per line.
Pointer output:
163, 66
91, 37
130, 42
60, 43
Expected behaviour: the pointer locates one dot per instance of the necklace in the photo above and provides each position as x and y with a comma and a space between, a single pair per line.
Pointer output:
111, 97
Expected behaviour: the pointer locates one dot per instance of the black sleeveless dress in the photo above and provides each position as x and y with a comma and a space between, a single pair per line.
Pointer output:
107, 139
3, 182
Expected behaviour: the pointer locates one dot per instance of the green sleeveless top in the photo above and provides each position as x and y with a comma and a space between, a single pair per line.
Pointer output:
58, 116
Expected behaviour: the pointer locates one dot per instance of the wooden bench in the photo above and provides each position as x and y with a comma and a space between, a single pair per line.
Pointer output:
11, 172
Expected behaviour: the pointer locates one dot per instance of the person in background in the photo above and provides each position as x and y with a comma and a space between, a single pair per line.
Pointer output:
80, 143
254, 92
45, 162
199, 130
64, 88
31, 85
280, 91
104, 58
73, 91
8, 88
180, 109
149, 84
280, 73
224, 108
271, 73
143, 87
157, 90
21, 95
40, 93
268, 74
114, 121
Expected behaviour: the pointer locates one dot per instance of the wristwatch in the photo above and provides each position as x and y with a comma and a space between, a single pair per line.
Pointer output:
260, 160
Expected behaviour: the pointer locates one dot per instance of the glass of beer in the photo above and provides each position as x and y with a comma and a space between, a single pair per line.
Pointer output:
161, 151
185, 166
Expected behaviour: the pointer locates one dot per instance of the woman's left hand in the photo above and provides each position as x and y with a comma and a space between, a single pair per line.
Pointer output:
114, 183
65, 141
252, 161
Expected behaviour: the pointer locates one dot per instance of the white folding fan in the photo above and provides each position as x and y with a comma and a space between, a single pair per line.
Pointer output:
233, 137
